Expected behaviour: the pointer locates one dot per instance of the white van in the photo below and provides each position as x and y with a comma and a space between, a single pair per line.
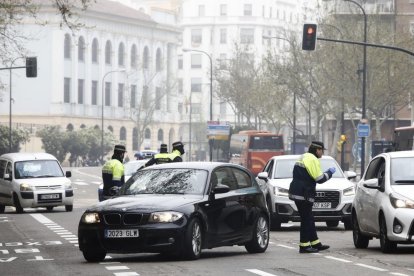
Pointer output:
31, 180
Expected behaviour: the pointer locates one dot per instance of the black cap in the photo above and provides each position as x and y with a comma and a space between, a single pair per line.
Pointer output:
177, 144
318, 145
163, 148
119, 148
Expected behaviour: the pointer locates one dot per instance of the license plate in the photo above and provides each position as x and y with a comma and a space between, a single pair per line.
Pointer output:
121, 233
320, 205
50, 196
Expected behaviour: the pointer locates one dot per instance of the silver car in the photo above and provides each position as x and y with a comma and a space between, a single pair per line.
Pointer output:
384, 202
333, 200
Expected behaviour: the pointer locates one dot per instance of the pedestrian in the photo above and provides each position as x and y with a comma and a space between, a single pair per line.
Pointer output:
306, 174
113, 172
165, 157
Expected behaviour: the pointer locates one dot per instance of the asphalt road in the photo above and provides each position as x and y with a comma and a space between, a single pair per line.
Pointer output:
40, 243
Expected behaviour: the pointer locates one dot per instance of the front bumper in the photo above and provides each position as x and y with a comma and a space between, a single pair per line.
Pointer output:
44, 198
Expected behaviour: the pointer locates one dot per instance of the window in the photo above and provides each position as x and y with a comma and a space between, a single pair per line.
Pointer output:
122, 134
135, 139
95, 48
158, 61
66, 91
147, 134
120, 94
133, 96
223, 61
108, 52
81, 49
223, 10
180, 62
108, 93
195, 60
223, 36
195, 108
201, 10
180, 86
195, 84
81, 87
247, 10
196, 37
67, 47
158, 98
246, 36
145, 97
145, 58
134, 56
180, 108
121, 54
243, 179
2, 167
160, 135
94, 93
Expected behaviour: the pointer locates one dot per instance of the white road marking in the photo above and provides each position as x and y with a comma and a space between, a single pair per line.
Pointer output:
259, 272
286, 246
118, 267
338, 259
371, 267
126, 274
41, 218
398, 274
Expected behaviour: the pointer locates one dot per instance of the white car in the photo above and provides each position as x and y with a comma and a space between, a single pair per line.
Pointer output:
31, 180
333, 201
384, 202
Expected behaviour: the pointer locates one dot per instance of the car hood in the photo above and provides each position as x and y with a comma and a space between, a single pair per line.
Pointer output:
331, 184
404, 190
146, 202
45, 181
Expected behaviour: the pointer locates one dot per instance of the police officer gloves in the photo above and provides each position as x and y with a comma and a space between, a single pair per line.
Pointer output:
332, 170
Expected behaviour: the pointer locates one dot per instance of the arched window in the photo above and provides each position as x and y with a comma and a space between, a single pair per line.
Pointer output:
67, 46
134, 56
122, 134
111, 129
158, 61
81, 49
160, 135
108, 52
69, 127
121, 53
145, 58
147, 133
95, 49
82, 126
96, 127
135, 139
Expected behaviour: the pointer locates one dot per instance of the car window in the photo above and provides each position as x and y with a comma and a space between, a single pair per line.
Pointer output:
269, 168
9, 169
243, 179
2, 167
402, 172
225, 177
372, 170
284, 168
37, 168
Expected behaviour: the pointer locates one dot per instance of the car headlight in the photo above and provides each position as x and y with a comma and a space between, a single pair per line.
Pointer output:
68, 186
165, 216
26, 187
90, 218
349, 191
281, 192
398, 201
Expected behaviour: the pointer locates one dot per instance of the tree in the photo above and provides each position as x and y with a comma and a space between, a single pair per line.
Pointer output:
19, 136
53, 141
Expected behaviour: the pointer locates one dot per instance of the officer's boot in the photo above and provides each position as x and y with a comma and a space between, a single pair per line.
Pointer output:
307, 249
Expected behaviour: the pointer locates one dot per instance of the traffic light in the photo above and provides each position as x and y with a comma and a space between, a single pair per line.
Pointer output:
309, 37
31, 67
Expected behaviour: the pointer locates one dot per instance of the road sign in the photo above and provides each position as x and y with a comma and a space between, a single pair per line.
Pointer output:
218, 130
363, 130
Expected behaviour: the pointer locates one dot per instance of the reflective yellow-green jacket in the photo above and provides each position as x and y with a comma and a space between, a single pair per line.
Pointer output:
112, 175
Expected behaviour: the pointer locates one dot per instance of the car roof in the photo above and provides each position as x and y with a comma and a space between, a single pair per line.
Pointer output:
22, 156
295, 156
396, 154
210, 166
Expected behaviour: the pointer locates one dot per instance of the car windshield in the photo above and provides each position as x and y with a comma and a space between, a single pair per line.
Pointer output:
284, 168
166, 181
37, 169
402, 172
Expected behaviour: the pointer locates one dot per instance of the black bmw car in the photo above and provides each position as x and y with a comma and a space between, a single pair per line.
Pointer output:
180, 209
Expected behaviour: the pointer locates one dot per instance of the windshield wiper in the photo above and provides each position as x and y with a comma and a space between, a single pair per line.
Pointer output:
404, 181
44, 176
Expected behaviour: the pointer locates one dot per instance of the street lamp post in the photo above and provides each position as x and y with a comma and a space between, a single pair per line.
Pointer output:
293, 146
103, 107
10, 105
364, 80
211, 90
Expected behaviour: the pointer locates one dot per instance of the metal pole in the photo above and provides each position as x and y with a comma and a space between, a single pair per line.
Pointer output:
211, 99
294, 124
364, 80
189, 138
10, 113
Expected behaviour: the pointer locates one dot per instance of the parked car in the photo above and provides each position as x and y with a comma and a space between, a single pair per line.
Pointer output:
130, 168
145, 154
34, 180
384, 202
333, 198
178, 208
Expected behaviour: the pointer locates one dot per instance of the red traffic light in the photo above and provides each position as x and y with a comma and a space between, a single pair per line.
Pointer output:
309, 37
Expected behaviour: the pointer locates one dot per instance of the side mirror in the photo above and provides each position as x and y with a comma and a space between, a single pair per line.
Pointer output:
263, 176
221, 189
8, 177
68, 174
350, 174
371, 184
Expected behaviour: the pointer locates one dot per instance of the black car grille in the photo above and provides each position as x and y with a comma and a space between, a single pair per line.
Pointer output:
328, 196
122, 218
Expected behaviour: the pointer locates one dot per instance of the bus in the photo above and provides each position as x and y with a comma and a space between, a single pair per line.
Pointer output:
253, 148
403, 138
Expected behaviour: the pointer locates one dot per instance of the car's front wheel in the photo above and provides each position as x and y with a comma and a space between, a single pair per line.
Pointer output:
193, 240
387, 246
94, 256
2, 208
260, 238
348, 224
49, 208
360, 241
17, 205
68, 208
